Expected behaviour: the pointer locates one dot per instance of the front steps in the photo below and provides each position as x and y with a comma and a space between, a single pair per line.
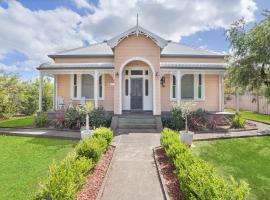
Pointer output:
136, 123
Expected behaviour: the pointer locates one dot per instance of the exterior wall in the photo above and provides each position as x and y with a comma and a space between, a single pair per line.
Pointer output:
129, 48
83, 60
211, 102
108, 101
63, 87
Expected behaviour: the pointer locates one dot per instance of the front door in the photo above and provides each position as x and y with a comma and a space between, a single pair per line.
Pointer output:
136, 96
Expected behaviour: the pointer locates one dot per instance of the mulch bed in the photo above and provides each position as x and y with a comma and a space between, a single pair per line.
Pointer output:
166, 168
94, 181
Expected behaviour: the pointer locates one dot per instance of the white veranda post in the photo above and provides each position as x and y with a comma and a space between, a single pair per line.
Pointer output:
40, 91
96, 75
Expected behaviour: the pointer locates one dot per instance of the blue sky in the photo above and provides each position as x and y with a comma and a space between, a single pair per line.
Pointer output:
36, 28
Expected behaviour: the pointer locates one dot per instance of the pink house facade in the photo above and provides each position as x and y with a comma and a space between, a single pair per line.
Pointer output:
136, 71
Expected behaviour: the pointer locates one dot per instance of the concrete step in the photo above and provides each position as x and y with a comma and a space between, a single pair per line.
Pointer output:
137, 126
125, 131
138, 120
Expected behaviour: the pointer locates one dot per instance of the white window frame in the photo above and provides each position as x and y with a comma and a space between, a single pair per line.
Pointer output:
78, 87
196, 87
171, 88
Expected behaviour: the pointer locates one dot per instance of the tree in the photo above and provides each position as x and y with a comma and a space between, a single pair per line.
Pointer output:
250, 58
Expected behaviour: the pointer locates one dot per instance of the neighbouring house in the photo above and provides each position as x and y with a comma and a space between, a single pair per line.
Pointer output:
136, 70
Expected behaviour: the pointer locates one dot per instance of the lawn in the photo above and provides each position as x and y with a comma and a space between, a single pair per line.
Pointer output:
24, 163
253, 116
245, 159
18, 122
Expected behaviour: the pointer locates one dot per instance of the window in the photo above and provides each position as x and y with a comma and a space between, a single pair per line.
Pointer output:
187, 86
75, 86
100, 87
146, 87
87, 86
136, 72
200, 86
126, 87
173, 87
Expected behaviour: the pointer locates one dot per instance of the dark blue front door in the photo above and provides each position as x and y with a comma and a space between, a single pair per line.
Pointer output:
136, 97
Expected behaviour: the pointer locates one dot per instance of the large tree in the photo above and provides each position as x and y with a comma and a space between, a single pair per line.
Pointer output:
250, 58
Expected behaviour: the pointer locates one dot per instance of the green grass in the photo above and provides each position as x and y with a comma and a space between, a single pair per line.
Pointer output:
252, 116
245, 159
24, 163
18, 122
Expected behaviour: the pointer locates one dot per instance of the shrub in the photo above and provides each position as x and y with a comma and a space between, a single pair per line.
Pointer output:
74, 117
41, 120
197, 178
105, 133
99, 118
238, 121
92, 148
65, 178
59, 122
197, 120
177, 122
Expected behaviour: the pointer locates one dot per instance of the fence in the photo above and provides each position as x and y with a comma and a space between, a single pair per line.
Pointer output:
248, 102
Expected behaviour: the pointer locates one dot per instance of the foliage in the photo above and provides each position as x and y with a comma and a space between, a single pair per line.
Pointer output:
197, 120
197, 178
186, 108
75, 117
177, 120
17, 96
41, 120
59, 122
92, 148
65, 178
238, 121
249, 62
105, 133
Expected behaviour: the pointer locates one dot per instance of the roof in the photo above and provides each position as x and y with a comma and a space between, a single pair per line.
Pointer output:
169, 49
137, 30
174, 49
65, 66
185, 65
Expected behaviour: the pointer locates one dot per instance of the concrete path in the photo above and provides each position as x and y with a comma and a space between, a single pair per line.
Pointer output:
133, 173
40, 133
263, 129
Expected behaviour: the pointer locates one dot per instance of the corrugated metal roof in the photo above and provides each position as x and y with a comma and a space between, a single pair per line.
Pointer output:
178, 49
169, 49
76, 66
184, 65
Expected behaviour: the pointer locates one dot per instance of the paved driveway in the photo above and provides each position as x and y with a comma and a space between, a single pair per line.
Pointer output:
133, 173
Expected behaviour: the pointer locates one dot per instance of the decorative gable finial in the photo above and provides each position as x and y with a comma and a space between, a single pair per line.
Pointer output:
137, 30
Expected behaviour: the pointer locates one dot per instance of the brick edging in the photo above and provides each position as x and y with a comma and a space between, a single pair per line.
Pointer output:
160, 177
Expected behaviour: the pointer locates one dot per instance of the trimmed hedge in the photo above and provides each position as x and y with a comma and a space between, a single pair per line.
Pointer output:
197, 178
66, 178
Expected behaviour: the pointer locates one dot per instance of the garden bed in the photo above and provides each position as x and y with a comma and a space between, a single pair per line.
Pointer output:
94, 181
166, 170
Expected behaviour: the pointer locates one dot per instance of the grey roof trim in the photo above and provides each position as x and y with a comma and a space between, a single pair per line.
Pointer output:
82, 56
178, 65
137, 30
190, 56
65, 66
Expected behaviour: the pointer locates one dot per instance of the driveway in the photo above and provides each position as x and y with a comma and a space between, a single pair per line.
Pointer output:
133, 174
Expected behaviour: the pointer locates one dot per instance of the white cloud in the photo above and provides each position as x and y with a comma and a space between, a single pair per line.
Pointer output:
37, 33
84, 4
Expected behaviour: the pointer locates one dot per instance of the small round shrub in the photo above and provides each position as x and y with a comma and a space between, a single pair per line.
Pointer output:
238, 121
41, 120
105, 133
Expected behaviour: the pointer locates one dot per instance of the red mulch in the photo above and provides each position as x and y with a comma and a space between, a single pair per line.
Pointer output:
94, 181
166, 168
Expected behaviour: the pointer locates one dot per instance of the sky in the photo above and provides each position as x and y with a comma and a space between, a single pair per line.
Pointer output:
32, 29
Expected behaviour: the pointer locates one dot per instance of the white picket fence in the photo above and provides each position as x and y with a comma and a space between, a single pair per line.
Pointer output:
248, 102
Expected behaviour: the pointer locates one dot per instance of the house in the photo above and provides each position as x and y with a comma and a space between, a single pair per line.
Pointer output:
136, 70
